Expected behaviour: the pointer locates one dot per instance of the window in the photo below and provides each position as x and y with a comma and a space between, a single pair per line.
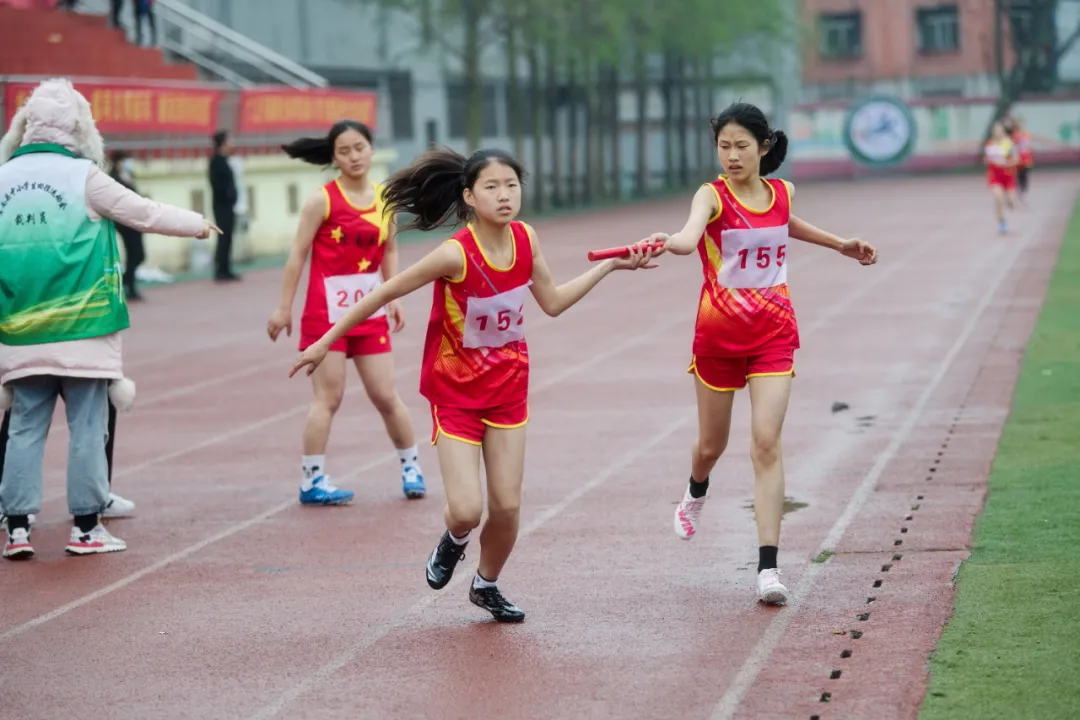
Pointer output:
841, 35
457, 109
401, 104
938, 29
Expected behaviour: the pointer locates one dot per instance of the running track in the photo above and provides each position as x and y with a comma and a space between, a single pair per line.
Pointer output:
234, 602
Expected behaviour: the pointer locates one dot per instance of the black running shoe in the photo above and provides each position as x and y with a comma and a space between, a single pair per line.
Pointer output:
443, 560
493, 601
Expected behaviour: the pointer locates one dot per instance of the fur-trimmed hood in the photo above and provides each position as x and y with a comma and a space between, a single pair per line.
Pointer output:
55, 113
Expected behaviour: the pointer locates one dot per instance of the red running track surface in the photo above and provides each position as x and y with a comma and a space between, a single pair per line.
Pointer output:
235, 602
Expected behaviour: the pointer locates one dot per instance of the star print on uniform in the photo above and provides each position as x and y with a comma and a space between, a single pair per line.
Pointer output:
364, 264
337, 234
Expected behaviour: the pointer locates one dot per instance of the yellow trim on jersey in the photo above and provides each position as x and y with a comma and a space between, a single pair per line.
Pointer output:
719, 203
492, 265
745, 206
345, 195
380, 208
464, 262
790, 192
326, 194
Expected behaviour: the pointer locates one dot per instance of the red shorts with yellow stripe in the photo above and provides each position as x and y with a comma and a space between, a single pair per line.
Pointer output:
729, 374
468, 425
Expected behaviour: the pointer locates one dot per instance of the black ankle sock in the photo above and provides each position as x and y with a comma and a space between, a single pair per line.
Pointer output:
767, 557
18, 521
698, 489
86, 523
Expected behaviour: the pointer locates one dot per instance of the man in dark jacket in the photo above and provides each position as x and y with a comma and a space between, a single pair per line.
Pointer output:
224, 195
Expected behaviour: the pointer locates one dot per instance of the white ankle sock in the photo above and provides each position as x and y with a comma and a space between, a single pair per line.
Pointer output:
313, 467
410, 458
480, 583
461, 540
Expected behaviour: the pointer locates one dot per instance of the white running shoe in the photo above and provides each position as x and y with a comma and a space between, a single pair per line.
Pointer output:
118, 507
769, 588
687, 515
18, 545
96, 541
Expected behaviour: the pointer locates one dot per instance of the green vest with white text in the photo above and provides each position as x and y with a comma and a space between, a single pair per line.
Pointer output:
60, 271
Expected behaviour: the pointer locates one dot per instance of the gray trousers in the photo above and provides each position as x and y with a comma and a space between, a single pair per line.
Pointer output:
87, 404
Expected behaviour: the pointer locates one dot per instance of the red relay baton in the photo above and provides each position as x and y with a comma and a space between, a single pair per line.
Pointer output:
623, 251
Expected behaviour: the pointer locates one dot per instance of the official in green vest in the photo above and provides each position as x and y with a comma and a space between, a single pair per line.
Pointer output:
62, 305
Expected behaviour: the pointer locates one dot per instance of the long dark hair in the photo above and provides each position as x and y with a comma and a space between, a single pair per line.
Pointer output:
320, 151
432, 187
750, 117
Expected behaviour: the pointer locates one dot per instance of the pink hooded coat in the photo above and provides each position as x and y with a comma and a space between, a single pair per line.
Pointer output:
57, 113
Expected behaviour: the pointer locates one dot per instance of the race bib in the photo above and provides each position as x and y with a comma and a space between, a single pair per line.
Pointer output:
754, 257
495, 321
344, 291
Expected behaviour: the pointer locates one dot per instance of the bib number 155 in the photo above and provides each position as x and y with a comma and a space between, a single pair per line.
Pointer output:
763, 257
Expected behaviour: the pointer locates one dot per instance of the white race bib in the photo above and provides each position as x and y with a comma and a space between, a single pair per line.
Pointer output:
753, 257
495, 321
344, 291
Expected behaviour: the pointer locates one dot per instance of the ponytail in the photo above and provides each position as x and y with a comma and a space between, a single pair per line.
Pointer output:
774, 156
430, 189
320, 151
753, 119
317, 151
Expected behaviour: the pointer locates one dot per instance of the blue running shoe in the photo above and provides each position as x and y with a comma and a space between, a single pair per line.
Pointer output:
323, 492
412, 483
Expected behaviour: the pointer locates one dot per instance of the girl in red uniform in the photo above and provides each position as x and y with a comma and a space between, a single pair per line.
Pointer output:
1025, 155
746, 331
476, 361
353, 248
1001, 160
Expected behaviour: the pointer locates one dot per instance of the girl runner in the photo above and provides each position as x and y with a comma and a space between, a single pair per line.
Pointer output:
476, 362
1025, 155
352, 242
1001, 159
746, 331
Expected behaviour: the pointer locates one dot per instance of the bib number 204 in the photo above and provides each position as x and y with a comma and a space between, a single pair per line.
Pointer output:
764, 257
343, 298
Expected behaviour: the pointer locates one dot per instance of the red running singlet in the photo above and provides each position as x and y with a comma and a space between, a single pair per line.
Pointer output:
745, 307
475, 355
346, 258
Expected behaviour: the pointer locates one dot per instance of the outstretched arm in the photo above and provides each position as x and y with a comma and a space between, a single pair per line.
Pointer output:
444, 261
860, 250
703, 209
556, 299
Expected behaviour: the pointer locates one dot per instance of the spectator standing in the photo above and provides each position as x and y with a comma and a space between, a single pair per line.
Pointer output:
224, 197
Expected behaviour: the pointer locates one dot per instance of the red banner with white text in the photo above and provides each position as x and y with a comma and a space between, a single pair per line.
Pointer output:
136, 108
286, 110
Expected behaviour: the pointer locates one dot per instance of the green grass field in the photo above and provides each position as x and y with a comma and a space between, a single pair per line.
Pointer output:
1012, 648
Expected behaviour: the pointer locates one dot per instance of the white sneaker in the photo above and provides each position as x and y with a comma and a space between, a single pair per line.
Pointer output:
96, 541
18, 545
118, 507
769, 588
687, 515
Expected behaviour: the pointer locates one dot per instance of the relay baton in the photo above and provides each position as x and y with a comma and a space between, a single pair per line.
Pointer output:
623, 251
